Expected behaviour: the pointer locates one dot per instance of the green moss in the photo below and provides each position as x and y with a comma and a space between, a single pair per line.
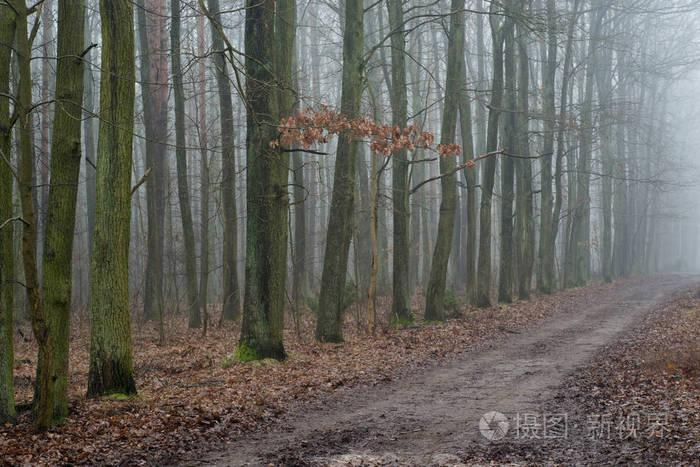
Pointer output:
265, 362
228, 363
244, 353
117, 396
452, 304
402, 322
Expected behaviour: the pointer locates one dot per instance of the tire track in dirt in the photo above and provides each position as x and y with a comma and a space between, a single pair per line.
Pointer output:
435, 412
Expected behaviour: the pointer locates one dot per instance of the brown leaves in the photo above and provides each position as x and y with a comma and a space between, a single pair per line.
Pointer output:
311, 127
192, 396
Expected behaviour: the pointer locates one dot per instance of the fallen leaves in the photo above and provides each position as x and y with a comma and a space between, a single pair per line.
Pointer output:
193, 396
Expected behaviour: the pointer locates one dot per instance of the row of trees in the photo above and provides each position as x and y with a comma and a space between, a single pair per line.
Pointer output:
563, 106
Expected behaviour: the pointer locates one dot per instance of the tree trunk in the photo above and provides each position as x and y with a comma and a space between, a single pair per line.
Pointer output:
90, 143
363, 240
579, 243
154, 94
40, 324
506, 257
183, 190
604, 83
455, 50
65, 173
203, 174
330, 316
545, 270
483, 293
401, 297
417, 175
465, 119
7, 271
525, 218
561, 147
232, 299
299, 266
269, 40
111, 360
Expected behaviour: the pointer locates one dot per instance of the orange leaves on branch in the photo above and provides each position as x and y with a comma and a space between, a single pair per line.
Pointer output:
449, 149
317, 126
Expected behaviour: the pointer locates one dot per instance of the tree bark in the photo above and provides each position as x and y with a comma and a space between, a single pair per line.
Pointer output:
40, 325
269, 42
203, 176
507, 258
7, 271
483, 293
525, 218
545, 269
401, 296
455, 50
154, 94
66, 154
578, 258
604, 84
330, 318
111, 359
183, 190
232, 299
465, 119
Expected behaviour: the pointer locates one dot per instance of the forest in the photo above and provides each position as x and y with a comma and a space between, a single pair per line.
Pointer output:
271, 199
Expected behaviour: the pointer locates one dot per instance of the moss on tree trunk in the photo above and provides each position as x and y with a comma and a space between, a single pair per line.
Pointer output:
7, 359
269, 42
66, 153
340, 223
438, 272
111, 359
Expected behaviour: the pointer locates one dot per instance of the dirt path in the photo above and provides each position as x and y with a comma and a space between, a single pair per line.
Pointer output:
427, 417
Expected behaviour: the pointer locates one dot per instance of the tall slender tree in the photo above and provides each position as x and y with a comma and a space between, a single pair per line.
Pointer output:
66, 154
111, 359
483, 292
506, 257
7, 359
579, 255
269, 41
546, 252
401, 303
40, 325
153, 69
232, 298
183, 189
203, 174
465, 120
335, 264
525, 219
438, 273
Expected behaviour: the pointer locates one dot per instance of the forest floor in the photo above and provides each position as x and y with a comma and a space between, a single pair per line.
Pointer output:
411, 396
636, 401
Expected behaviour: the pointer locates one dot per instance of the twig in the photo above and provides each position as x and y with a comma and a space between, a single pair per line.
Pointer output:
141, 181
13, 219
87, 49
309, 151
469, 163
418, 161
90, 162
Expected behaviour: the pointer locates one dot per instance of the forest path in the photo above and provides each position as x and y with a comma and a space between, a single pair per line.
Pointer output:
430, 415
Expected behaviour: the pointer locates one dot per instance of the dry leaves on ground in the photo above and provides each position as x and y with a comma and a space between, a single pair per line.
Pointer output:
192, 395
